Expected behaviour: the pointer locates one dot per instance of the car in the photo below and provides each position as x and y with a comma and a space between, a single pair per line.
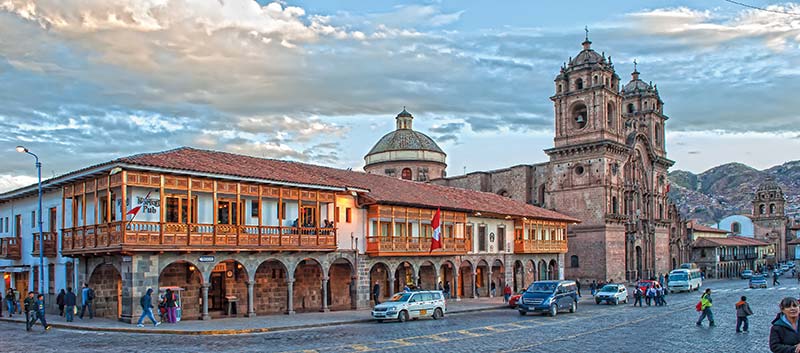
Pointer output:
612, 294
549, 297
791, 264
758, 281
411, 305
514, 299
746, 274
645, 284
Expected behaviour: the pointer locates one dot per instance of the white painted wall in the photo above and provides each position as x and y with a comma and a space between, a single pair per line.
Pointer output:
492, 225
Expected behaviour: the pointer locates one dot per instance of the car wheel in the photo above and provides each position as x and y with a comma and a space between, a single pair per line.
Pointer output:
597, 301
522, 313
553, 310
380, 321
574, 307
616, 301
437, 314
403, 317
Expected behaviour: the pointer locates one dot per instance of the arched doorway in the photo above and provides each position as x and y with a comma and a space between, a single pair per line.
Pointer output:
531, 275
519, 276
427, 275
482, 280
498, 277
552, 270
466, 280
228, 281
447, 277
639, 262
543, 271
341, 286
307, 286
379, 273
187, 276
270, 294
404, 276
106, 282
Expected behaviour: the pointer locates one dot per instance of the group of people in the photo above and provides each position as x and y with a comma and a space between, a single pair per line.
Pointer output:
34, 305
653, 295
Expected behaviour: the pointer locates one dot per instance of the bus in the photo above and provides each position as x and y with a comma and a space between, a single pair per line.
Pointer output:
684, 280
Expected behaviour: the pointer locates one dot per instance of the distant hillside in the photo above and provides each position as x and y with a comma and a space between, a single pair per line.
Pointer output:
728, 189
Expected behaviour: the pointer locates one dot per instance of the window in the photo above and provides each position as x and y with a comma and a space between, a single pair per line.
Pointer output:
579, 83
336, 215
348, 215
7, 224
559, 89
482, 237
631, 109
406, 174
579, 170
104, 209
657, 136
501, 238
610, 115
614, 205
771, 208
282, 211
177, 210
33, 219
53, 217
18, 225
573, 261
580, 115
594, 81
1, 224
254, 208
703, 253
736, 228
762, 209
226, 212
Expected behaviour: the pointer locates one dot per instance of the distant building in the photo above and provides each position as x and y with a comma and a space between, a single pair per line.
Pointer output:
726, 256
769, 220
741, 225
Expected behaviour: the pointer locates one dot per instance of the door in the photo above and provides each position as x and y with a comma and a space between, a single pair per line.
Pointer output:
216, 293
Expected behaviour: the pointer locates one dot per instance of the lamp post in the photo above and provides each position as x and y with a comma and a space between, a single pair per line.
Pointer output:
22, 149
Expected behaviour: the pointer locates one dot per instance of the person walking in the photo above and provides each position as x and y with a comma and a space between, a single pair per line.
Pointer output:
87, 297
659, 295
493, 289
742, 312
637, 296
147, 309
705, 307
506, 293
69, 303
9, 301
60, 302
172, 306
775, 281
593, 287
650, 295
16, 301
447, 290
39, 311
376, 293
783, 335
663, 291
578, 285
30, 310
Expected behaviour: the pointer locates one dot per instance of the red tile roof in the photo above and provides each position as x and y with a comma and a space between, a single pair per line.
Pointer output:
382, 189
733, 240
701, 228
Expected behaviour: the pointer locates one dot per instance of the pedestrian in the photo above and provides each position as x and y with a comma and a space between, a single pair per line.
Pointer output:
172, 306
406, 288
506, 293
9, 301
578, 284
16, 301
60, 302
493, 288
376, 293
663, 292
30, 310
775, 281
658, 294
39, 311
784, 336
660, 278
447, 290
742, 312
69, 303
147, 309
650, 294
87, 297
705, 307
593, 287
637, 296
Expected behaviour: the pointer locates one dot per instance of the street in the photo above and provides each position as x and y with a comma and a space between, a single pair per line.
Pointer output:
594, 328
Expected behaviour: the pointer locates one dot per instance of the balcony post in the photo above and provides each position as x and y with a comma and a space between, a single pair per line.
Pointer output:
161, 216
319, 215
190, 212
260, 209
123, 206
239, 215
216, 215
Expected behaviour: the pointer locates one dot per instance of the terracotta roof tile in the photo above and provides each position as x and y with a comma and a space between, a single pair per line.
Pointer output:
701, 228
732, 240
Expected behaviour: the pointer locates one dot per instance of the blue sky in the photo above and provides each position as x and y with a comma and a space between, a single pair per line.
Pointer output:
83, 82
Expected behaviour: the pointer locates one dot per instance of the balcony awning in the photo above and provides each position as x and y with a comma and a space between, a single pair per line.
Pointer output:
21, 268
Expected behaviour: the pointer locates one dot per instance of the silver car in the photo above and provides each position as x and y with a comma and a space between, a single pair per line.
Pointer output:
411, 305
612, 294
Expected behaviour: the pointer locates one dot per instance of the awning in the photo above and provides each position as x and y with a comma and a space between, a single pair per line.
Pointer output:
22, 268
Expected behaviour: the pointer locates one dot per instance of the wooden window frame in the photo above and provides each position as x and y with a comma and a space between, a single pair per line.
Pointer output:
182, 200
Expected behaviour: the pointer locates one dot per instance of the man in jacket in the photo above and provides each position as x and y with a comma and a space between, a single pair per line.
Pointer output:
742, 312
69, 302
705, 307
147, 308
376, 293
87, 297
637, 296
30, 310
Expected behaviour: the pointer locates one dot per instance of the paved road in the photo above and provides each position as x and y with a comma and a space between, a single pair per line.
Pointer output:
594, 328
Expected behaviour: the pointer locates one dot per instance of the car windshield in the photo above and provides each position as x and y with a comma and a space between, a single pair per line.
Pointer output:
677, 277
542, 287
400, 297
609, 288
756, 278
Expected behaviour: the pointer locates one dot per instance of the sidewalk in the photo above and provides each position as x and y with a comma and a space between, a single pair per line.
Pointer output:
242, 325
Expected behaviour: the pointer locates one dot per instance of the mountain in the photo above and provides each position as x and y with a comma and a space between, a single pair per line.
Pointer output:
728, 189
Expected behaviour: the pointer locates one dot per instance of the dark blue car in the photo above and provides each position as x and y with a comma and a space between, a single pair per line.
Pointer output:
549, 297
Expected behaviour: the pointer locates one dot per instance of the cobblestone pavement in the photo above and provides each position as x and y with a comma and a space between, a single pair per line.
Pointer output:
594, 328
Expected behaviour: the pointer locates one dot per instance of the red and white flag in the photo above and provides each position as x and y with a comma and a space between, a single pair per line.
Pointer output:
436, 239
135, 210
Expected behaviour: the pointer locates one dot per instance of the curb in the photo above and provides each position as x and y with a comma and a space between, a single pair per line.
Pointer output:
134, 329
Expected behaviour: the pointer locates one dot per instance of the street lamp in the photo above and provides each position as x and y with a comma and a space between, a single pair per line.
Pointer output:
22, 149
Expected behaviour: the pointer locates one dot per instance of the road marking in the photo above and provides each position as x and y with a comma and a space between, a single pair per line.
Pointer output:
360, 347
465, 332
402, 341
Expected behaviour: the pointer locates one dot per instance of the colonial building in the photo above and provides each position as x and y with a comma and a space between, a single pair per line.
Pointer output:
728, 256
770, 223
266, 236
608, 167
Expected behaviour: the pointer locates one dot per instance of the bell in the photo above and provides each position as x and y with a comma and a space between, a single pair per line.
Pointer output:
580, 119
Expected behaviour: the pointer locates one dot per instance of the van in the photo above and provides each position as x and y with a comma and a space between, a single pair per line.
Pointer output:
684, 280
549, 297
411, 305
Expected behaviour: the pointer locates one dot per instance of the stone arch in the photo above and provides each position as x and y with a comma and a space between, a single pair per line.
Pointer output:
271, 292
579, 115
341, 285
427, 275
447, 275
307, 290
380, 273
530, 272
542, 271
552, 270
404, 275
518, 282
498, 277
466, 279
772, 208
106, 281
227, 278
482, 278
187, 276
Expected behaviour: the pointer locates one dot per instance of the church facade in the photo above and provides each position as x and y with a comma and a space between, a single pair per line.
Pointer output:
608, 167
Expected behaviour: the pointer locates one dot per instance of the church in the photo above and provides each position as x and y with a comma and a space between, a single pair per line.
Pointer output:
607, 167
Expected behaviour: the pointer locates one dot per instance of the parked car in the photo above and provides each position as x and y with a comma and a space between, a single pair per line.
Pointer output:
411, 305
746, 274
549, 297
512, 302
758, 281
645, 284
612, 294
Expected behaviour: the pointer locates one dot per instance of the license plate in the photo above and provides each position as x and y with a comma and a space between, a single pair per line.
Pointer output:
423, 312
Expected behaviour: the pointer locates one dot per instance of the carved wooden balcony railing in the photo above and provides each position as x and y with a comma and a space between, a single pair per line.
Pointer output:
533, 246
415, 246
50, 244
11, 248
155, 236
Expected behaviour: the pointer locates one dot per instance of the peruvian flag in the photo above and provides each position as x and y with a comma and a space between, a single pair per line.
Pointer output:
436, 239
134, 211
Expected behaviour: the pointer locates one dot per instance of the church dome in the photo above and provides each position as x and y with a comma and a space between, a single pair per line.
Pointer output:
405, 139
769, 185
587, 56
406, 150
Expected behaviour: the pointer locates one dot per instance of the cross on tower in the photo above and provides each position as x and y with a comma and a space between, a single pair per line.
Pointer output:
586, 28
634, 65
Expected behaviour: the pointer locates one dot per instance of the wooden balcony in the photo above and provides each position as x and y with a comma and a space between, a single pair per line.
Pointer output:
154, 236
10, 248
50, 244
532, 246
415, 246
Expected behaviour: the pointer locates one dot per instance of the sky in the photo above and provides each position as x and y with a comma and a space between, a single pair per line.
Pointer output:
87, 81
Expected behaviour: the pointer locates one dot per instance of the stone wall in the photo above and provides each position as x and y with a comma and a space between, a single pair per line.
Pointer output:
308, 287
178, 275
107, 284
340, 287
271, 291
